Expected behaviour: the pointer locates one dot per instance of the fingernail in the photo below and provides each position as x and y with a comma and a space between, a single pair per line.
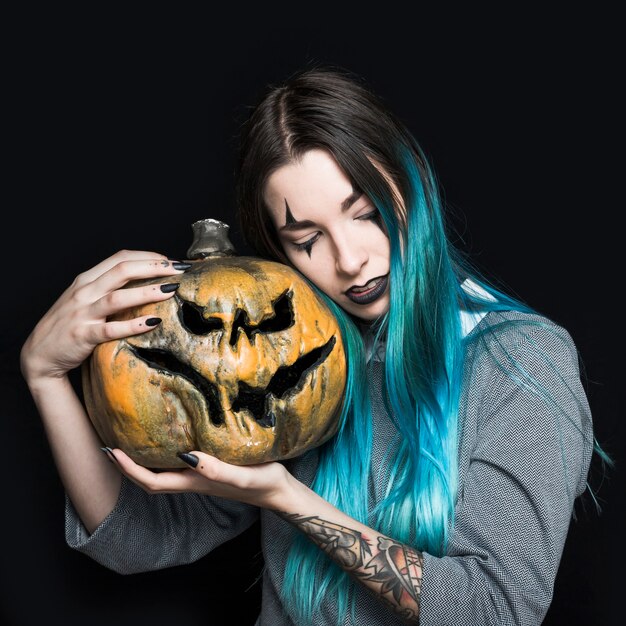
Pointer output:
190, 459
109, 454
169, 287
153, 321
181, 266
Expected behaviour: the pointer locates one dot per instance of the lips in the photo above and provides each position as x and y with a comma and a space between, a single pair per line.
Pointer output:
370, 291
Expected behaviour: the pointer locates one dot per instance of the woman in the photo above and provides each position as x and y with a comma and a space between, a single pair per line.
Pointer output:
466, 435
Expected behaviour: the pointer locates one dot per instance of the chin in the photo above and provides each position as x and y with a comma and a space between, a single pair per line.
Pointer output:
369, 313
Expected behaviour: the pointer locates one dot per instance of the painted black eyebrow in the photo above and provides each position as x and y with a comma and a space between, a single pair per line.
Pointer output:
292, 224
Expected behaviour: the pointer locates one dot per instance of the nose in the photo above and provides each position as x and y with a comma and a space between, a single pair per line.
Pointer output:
350, 257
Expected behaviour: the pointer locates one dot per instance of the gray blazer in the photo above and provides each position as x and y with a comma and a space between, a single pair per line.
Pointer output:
515, 498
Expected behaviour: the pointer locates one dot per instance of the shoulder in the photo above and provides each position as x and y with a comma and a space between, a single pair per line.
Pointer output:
504, 336
531, 394
513, 356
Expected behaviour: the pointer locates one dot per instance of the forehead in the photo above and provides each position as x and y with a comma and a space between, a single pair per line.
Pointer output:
315, 181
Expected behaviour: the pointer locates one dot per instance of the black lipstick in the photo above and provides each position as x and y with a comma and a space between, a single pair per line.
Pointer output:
367, 297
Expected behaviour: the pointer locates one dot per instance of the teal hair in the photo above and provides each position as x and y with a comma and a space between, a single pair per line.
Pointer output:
422, 384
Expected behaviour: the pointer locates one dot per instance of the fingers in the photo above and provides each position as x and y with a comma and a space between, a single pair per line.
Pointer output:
123, 255
106, 294
156, 482
265, 485
124, 271
121, 299
110, 331
210, 476
69, 331
230, 480
212, 468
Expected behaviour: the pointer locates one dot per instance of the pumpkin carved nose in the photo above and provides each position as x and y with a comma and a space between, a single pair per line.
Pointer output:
282, 319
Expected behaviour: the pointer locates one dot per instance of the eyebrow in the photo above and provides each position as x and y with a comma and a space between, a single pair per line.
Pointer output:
292, 224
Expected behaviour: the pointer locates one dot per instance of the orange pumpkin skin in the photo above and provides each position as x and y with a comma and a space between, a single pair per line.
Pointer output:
247, 365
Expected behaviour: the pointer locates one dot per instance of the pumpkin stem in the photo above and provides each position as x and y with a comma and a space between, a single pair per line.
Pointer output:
210, 238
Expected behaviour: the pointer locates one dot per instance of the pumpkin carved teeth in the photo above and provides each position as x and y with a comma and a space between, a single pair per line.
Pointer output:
268, 420
288, 380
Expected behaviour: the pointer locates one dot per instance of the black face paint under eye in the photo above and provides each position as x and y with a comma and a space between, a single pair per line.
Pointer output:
307, 245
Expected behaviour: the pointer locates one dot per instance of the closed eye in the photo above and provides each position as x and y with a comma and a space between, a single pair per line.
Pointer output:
372, 215
307, 245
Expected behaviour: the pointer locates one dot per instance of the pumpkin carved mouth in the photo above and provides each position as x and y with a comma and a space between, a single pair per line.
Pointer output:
287, 380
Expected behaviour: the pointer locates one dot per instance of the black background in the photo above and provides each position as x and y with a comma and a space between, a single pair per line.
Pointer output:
121, 131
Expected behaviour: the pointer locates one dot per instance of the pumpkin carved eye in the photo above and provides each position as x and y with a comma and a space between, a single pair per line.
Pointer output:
190, 316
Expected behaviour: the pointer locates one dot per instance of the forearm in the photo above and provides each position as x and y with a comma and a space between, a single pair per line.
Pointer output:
90, 479
390, 570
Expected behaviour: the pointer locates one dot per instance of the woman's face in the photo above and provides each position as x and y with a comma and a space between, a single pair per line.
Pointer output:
331, 233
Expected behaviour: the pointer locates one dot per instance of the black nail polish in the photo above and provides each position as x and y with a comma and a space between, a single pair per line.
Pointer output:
109, 454
153, 321
190, 459
181, 266
169, 287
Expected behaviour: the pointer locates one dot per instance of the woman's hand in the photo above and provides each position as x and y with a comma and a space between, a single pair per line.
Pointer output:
264, 485
70, 330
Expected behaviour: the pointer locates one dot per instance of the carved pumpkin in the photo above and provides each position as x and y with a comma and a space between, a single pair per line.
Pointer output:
247, 365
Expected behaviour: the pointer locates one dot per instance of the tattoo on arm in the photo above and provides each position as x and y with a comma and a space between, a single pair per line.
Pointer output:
389, 569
